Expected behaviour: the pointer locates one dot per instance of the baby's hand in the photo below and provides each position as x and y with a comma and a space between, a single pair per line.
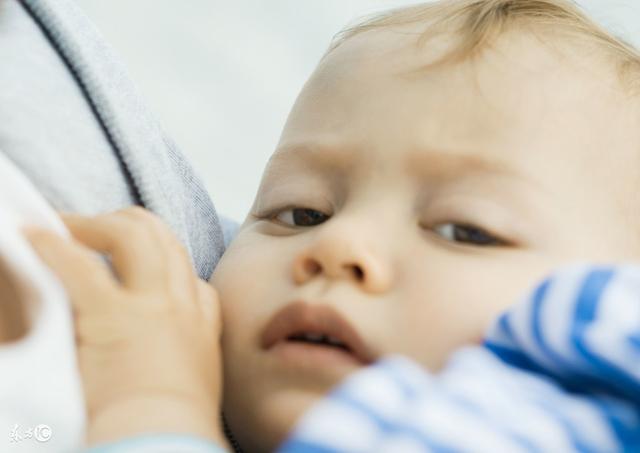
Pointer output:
148, 337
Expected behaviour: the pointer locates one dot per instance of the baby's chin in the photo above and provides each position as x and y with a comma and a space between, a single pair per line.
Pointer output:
269, 422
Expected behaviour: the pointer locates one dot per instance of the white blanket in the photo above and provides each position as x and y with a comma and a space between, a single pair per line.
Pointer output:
41, 404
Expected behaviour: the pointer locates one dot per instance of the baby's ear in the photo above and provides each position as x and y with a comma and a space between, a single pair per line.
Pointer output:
13, 312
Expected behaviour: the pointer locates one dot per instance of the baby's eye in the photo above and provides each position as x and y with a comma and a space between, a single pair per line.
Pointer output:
303, 217
467, 234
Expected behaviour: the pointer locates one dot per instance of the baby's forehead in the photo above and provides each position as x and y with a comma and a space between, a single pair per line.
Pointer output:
519, 79
399, 53
520, 84
520, 100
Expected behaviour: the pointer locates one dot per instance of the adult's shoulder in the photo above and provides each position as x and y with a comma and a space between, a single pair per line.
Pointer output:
73, 121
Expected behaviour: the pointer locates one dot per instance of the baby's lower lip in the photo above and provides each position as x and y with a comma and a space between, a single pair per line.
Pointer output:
311, 355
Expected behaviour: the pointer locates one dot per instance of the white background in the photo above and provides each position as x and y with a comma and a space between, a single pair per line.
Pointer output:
221, 75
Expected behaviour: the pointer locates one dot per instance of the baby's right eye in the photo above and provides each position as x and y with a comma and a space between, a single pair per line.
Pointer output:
303, 217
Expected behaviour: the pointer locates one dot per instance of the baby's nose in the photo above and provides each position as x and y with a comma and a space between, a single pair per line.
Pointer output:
342, 259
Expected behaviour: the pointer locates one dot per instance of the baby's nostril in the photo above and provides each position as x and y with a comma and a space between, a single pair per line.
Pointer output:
358, 273
312, 267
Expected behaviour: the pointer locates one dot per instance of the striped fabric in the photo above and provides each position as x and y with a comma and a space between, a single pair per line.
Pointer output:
558, 372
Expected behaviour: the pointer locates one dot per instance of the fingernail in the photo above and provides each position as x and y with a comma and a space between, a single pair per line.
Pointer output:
31, 232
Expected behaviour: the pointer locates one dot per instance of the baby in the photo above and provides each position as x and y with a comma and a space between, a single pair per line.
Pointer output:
441, 159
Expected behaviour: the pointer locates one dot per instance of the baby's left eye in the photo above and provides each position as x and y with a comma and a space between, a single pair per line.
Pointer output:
304, 217
467, 234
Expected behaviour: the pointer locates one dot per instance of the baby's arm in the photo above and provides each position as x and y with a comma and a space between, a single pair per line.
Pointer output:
559, 372
148, 340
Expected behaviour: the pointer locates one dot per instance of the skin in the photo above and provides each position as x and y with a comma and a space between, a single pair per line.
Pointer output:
536, 147
130, 321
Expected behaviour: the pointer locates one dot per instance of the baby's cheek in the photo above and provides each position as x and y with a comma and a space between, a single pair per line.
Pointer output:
437, 327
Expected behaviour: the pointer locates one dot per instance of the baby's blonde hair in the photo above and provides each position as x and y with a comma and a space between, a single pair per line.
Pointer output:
477, 23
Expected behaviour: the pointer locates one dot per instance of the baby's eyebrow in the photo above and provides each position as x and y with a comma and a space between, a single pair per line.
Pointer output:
448, 164
323, 156
422, 163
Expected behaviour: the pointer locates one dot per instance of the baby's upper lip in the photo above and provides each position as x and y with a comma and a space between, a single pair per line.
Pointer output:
300, 318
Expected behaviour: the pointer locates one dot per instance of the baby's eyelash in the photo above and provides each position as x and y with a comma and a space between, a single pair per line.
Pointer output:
303, 217
455, 232
297, 217
468, 234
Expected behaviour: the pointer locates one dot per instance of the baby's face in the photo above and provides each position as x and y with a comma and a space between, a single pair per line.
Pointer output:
404, 209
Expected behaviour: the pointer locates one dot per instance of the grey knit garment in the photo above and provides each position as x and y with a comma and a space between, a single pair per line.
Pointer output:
73, 121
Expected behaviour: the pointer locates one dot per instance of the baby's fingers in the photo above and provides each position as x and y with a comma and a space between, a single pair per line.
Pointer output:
133, 239
84, 276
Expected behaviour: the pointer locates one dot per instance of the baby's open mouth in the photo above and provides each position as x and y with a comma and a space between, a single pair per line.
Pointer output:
319, 339
315, 331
